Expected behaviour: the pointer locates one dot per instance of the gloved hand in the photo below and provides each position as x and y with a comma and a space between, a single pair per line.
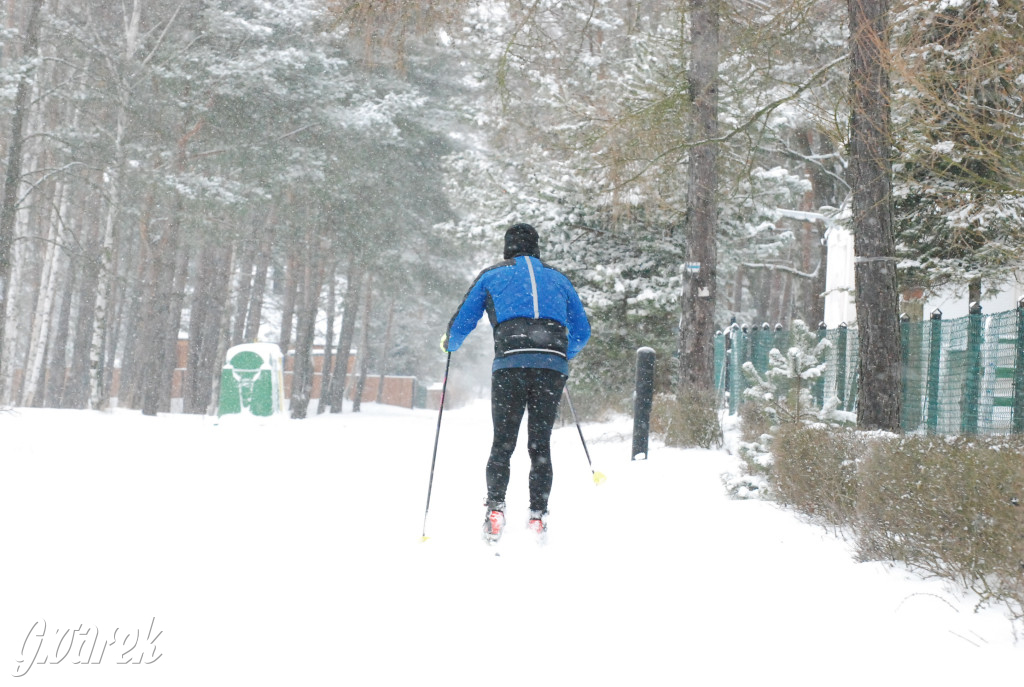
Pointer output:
444, 343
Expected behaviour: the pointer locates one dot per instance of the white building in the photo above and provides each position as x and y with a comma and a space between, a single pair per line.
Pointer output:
840, 296
952, 301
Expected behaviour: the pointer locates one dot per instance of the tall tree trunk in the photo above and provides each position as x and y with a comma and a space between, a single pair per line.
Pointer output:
364, 348
129, 394
12, 178
165, 296
167, 292
302, 375
254, 315
209, 297
49, 285
99, 387
762, 298
385, 348
350, 307
58, 374
973, 291
225, 341
870, 178
77, 393
173, 326
737, 290
812, 144
291, 285
154, 298
243, 290
328, 362
697, 301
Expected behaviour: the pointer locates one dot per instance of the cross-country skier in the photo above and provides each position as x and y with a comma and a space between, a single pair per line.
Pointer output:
539, 326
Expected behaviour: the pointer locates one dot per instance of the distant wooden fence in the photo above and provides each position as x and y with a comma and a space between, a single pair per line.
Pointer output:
398, 390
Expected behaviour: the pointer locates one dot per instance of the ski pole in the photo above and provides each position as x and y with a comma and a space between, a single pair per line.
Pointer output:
440, 410
598, 475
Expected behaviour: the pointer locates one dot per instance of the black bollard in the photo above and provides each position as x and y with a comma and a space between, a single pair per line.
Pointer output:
642, 400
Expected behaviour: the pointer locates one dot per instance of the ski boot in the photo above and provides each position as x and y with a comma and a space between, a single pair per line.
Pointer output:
538, 524
494, 522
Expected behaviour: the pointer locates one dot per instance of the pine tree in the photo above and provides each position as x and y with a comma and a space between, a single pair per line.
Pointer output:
784, 390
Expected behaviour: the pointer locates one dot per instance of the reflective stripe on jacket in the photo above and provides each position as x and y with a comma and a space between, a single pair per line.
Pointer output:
533, 309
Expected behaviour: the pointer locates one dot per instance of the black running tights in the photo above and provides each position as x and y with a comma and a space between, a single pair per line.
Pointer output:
513, 391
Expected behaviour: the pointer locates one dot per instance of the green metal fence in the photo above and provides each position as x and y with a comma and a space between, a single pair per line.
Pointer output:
960, 376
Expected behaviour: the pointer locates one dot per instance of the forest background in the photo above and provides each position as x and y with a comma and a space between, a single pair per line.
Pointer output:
334, 173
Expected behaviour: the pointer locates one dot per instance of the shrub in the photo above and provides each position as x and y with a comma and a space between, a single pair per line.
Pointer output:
949, 506
755, 421
690, 419
815, 471
784, 390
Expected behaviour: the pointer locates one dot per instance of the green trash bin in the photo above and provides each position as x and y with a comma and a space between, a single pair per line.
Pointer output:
252, 381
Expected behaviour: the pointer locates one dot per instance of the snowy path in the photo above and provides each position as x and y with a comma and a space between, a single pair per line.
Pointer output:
289, 553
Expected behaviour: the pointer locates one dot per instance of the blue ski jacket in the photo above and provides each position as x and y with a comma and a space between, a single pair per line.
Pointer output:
536, 315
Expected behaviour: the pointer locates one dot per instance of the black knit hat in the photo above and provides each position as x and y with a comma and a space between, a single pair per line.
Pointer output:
521, 239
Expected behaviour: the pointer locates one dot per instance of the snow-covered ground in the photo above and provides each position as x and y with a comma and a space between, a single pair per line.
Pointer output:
289, 553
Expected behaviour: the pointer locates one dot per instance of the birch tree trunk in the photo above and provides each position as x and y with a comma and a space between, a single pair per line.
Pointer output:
49, 285
99, 387
870, 178
99, 396
77, 392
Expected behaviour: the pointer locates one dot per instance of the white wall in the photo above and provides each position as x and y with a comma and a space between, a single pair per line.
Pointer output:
952, 301
840, 299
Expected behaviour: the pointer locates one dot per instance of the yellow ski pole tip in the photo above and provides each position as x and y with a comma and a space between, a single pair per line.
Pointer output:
599, 477
424, 538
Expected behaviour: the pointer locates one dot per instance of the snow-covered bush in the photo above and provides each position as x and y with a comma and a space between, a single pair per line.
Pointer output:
950, 506
783, 392
780, 396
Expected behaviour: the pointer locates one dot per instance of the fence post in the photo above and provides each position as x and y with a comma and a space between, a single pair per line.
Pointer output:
748, 343
819, 383
719, 364
841, 365
970, 397
781, 338
1018, 373
934, 354
762, 344
642, 401
905, 364
736, 345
